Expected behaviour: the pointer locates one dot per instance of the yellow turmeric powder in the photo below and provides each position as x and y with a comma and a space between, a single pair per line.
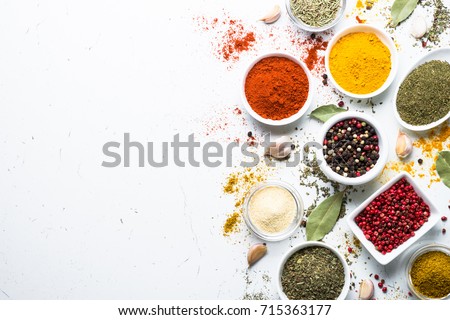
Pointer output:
360, 62
430, 144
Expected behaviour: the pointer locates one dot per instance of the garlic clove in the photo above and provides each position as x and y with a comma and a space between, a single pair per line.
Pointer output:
366, 289
280, 149
255, 253
419, 27
272, 16
404, 145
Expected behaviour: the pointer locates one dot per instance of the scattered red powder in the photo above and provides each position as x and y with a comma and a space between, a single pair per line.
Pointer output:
360, 20
229, 121
312, 59
230, 37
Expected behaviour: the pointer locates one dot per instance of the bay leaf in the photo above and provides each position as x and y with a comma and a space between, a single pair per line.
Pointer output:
443, 167
323, 113
401, 9
323, 218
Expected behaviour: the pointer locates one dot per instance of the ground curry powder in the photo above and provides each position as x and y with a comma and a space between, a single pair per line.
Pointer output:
360, 62
430, 274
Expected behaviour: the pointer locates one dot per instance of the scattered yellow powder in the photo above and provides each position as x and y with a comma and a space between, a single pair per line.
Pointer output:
359, 4
430, 145
231, 225
238, 184
437, 140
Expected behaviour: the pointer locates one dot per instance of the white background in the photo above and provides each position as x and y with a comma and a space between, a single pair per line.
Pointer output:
77, 74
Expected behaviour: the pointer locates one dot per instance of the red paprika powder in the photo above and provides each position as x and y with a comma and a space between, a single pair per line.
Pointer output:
276, 88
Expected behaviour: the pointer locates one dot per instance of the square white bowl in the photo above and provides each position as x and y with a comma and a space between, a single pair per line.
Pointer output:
388, 257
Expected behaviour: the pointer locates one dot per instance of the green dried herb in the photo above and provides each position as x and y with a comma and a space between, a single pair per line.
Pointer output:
323, 113
424, 96
443, 167
441, 21
313, 273
323, 218
401, 9
316, 13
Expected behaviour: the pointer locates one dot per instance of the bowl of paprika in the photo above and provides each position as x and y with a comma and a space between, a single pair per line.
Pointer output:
277, 89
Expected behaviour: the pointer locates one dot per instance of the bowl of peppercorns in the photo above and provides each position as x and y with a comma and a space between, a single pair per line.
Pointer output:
393, 218
354, 149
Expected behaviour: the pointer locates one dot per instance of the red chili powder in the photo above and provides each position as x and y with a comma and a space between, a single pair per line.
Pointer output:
312, 59
230, 37
276, 88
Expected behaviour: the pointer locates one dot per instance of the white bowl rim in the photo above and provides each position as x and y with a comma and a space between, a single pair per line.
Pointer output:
418, 63
307, 244
292, 118
298, 200
386, 39
299, 23
382, 141
387, 258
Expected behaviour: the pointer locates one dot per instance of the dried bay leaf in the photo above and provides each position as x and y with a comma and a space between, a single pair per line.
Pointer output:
323, 218
443, 167
401, 9
323, 113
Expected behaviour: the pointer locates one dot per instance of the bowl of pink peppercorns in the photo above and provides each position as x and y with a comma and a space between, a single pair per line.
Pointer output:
354, 149
393, 218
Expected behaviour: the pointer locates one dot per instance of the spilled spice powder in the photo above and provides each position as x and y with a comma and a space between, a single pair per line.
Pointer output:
238, 184
430, 145
436, 141
230, 37
312, 59
223, 124
232, 223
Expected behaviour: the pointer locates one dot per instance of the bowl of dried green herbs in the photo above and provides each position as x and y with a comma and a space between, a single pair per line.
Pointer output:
422, 101
313, 270
315, 15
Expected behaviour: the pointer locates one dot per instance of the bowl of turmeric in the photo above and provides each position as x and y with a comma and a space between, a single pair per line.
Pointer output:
277, 89
361, 61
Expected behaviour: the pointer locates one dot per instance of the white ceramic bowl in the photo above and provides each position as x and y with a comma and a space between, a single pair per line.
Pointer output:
382, 143
442, 54
307, 244
295, 223
292, 118
388, 257
384, 37
299, 23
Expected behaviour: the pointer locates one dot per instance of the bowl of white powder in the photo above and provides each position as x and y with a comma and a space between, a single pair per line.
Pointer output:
273, 210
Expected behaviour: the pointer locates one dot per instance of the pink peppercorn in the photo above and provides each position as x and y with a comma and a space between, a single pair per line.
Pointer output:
393, 217
444, 218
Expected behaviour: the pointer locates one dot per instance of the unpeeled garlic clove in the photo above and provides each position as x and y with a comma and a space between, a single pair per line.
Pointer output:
366, 289
272, 16
281, 148
404, 145
255, 253
419, 27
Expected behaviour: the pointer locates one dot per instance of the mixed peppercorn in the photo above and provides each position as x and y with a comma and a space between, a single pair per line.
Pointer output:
351, 148
393, 217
